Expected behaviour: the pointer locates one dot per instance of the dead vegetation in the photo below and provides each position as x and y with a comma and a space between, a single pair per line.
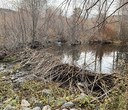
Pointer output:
48, 68
46, 71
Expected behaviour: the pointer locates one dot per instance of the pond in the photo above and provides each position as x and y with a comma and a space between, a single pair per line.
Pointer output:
96, 58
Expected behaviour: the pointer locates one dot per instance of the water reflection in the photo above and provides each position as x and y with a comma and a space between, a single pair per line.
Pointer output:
97, 58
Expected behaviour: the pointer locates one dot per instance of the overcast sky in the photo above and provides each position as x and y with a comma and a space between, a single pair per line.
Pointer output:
56, 3
5, 3
8, 4
78, 3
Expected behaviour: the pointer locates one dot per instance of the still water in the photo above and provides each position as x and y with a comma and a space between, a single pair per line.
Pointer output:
96, 58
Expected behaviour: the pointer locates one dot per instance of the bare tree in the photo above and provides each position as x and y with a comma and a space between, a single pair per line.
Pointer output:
35, 8
36, 20
75, 26
123, 18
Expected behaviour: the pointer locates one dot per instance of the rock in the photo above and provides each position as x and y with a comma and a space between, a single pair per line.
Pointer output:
46, 92
25, 108
25, 103
68, 105
73, 109
38, 105
83, 95
80, 97
47, 107
36, 108
4, 78
64, 109
1, 104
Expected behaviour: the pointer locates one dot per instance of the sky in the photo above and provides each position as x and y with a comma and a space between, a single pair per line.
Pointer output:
56, 3
9, 4
78, 3
5, 3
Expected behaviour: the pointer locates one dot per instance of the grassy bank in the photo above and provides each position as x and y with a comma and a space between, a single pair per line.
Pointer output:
115, 99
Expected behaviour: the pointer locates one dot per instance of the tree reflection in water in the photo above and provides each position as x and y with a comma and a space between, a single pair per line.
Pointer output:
97, 58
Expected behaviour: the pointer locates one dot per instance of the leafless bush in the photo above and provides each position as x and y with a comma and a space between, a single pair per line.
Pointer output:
36, 20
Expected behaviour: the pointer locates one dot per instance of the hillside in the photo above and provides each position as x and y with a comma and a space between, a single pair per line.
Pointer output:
4, 10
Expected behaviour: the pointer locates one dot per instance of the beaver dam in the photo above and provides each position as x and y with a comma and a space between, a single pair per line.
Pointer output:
83, 80
43, 66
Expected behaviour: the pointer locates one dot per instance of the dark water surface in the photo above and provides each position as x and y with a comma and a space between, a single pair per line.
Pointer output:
97, 58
